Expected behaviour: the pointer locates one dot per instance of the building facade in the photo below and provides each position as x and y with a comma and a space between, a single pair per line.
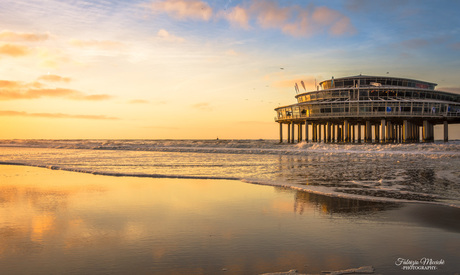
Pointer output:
369, 109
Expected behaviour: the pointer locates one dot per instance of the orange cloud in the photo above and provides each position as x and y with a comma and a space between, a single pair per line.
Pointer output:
11, 90
342, 26
183, 9
204, 106
301, 27
166, 36
337, 23
138, 101
292, 20
13, 50
54, 78
6, 84
24, 37
55, 115
238, 16
270, 15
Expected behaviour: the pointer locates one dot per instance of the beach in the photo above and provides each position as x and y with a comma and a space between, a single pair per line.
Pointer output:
62, 222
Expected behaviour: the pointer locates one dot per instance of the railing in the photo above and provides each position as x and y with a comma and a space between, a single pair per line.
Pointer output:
437, 115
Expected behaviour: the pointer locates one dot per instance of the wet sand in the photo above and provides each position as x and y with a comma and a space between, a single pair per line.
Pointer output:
58, 222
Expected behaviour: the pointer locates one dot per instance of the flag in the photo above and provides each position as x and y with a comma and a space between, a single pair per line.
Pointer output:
303, 85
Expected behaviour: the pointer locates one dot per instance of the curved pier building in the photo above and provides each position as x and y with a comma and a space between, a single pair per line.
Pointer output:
370, 109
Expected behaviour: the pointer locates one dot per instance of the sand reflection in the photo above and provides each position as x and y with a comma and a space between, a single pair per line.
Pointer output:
90, 224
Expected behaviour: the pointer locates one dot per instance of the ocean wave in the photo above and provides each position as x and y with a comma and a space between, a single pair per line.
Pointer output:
241, 146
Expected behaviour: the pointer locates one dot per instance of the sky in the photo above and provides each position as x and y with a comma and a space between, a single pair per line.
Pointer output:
192, 69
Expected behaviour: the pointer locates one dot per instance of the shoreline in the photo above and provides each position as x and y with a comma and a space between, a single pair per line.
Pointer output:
317, 190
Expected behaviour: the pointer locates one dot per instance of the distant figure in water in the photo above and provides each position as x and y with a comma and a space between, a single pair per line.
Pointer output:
217, 138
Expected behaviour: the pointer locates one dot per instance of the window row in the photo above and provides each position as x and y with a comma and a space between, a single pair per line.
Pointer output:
376, 94
375, 81
381, 108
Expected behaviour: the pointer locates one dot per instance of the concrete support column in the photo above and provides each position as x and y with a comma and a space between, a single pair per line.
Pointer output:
388, 132
395, 133
333, 133
376, 133
359, 132
292, 132
353, 133
281, 132
289, 132
412, 133
325, 132
306, 130
349, 131
405, 131
368, 132
339, 133
383, 126
319, 132
313, 132
329, 132
345, 131
446, 131
425, 131
299, 138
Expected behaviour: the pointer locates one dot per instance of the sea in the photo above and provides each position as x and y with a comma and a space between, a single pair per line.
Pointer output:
417, 172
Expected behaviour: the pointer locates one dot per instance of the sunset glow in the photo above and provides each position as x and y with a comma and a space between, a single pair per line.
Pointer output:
186, 69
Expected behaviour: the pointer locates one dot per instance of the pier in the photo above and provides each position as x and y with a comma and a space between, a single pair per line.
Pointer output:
366, 109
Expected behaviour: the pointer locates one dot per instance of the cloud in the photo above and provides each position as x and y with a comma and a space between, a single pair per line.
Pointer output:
238, 17
12, 90
295, 20
13, 50
204, 106
23, 37
342, 26
183, 9
54, 78
337, 23
99, 44
269, 14
55, 115
138, 101
166, 36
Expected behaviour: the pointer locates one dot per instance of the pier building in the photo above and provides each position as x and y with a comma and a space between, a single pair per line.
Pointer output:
369, 109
